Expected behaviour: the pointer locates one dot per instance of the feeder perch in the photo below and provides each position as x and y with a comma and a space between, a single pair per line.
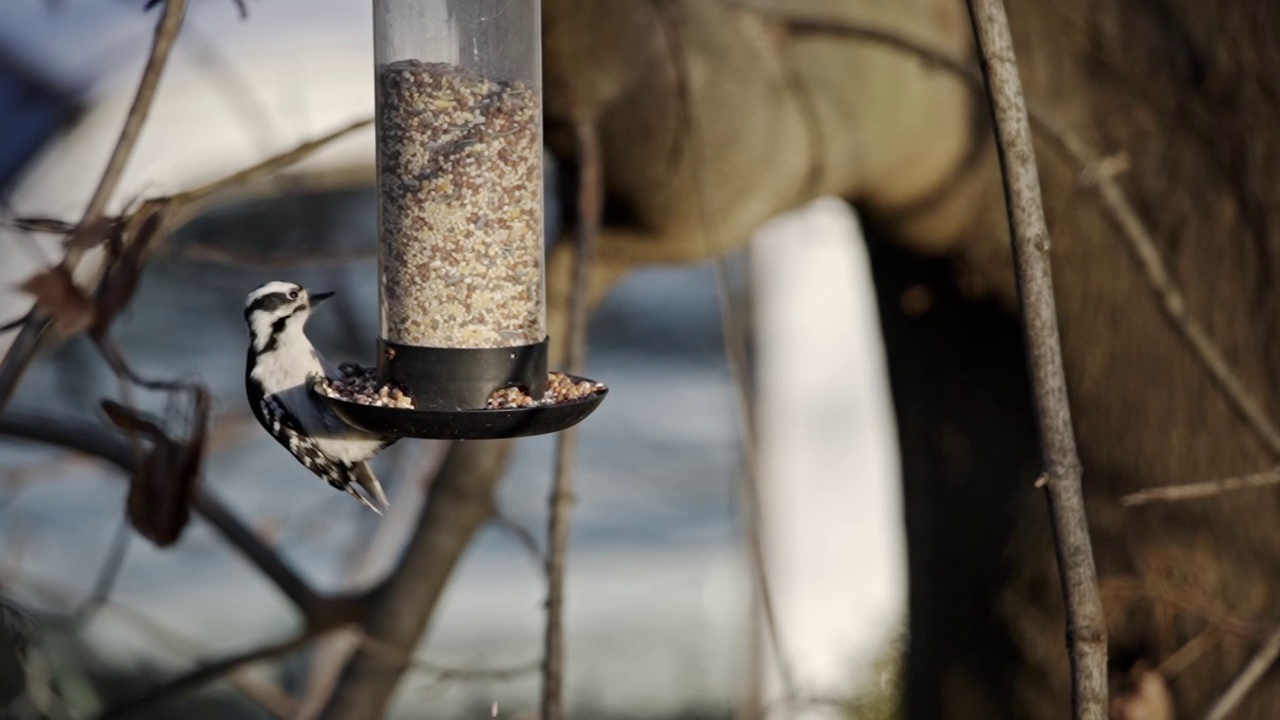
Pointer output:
461, 248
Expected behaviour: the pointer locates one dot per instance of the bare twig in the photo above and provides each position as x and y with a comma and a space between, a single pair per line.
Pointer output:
270, 165
1187, 655
266, 694
213, 255
1184, 599
735, 343
35, 328
107, 573
1086, 627
205, 674
165, 35
1094, 168
460, 501
1206, 488
1172, 302
95, 440
1262, 661
590, 207
397, 656
523, 535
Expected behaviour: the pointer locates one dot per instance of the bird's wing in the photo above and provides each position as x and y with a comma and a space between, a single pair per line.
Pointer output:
343, 476
284, 425
314, 417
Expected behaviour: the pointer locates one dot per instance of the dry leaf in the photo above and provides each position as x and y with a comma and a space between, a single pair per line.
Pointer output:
58, 297
131, 421
165, 479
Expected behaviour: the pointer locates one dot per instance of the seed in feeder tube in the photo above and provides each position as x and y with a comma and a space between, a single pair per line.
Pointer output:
460, 243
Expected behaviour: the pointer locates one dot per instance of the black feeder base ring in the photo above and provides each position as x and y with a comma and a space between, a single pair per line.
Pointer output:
451, 388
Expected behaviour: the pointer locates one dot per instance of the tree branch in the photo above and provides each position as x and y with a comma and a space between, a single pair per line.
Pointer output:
1203, 489
1086, 626
270, 165
108, 573
36, 327
560, 502
459, 502
214, 255
92, 439
205, 674
1249, 676
165, 35
522, 535
1141, 244
736, 353
266, 694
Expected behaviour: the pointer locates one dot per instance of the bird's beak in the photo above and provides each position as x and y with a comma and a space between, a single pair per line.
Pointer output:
317, 298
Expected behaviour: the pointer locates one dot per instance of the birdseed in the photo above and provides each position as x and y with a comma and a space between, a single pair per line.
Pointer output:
460, 239
560, 389
361, 386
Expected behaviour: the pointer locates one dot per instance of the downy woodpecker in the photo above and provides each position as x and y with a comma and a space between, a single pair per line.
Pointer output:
281, 369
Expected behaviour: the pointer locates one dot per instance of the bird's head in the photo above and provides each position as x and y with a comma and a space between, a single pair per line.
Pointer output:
277, 308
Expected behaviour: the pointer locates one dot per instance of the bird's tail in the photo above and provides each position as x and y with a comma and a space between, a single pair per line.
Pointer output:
369, 483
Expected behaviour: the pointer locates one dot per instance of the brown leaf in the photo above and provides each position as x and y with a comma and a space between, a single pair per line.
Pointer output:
166, 478
131, 421
59, 298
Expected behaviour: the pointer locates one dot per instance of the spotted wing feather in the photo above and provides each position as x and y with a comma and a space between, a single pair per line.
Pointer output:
341, 475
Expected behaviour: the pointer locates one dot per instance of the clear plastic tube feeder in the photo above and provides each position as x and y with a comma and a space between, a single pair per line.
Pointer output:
462, 351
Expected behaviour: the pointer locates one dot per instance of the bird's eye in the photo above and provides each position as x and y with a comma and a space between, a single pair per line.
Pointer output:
293, 294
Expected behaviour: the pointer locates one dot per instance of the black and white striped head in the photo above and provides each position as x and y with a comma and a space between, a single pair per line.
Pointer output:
276, 310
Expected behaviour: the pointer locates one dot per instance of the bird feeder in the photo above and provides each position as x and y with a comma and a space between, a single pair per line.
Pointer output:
460, 225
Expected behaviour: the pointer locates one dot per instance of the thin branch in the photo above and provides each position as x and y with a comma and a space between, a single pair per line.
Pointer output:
213, 255
1086, 626
1190, 652
266, 694
801, 25
95, 440
1093, 166
166, 33
523, 535
264, 558
270, 165
35, 328
459, 502
1172, 302
735, 343
590, 208
1203, 489
108, 573
397, 657
1249, 675
205, 674
1186, 600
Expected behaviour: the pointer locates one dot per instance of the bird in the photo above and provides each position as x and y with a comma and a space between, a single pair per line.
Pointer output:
281, 370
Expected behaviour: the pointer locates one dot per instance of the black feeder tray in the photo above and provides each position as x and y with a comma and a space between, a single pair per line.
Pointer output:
451, 387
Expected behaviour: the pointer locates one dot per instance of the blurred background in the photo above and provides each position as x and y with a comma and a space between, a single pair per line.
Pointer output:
660, 618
